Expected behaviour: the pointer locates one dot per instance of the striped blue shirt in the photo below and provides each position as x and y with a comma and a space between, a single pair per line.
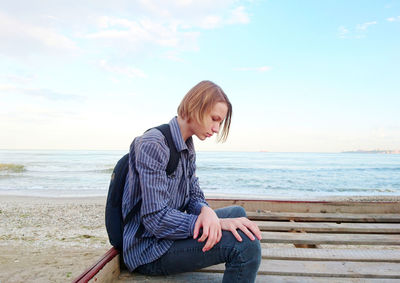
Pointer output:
170, 204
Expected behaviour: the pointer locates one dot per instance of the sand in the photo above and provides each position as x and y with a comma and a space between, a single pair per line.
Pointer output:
50, 239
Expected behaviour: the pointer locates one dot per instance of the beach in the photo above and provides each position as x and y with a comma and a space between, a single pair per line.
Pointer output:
50, 239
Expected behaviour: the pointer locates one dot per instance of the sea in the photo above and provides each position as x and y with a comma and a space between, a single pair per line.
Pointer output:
81, 173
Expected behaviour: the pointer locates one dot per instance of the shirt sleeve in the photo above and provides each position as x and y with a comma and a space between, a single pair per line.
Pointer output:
197, 199
157, 217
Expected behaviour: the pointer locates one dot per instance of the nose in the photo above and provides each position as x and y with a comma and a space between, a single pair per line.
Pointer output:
215, 128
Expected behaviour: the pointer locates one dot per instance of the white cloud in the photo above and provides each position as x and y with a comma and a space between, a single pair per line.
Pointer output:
126, 71
175, 25
211, 22
38, 92
18, 79
359, 31
393, 19
343, 32
256, 69
364, 26
23, 38
239, 16
117, 28
127, 35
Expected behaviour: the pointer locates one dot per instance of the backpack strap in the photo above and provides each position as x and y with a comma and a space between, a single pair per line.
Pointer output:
171, 167
174, 154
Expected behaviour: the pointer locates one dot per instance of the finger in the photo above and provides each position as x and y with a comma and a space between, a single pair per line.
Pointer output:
205, 234
212, 238
219, 236
236, 234
252, 227
196, 229
255, 230
207, 245
247, 232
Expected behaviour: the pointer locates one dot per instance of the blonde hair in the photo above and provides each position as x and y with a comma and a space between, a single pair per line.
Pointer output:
199, 101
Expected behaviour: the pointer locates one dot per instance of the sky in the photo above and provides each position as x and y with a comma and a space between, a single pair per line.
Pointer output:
302, 76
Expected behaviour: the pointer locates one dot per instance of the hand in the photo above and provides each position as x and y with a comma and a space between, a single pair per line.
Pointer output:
210, 223
248, 227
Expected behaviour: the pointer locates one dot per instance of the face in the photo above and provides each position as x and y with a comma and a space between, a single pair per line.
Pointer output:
212, 121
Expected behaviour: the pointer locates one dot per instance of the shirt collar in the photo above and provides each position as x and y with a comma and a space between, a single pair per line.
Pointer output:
177, 136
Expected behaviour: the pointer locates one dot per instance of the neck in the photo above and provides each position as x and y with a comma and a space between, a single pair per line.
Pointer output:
184, 127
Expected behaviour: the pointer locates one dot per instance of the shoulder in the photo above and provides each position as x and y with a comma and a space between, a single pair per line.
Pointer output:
151, 142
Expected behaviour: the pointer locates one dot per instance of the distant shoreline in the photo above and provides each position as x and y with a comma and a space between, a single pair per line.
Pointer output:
374, 151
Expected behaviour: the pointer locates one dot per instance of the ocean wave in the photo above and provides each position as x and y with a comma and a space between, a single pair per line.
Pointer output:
108, 170
10, 167
295, 170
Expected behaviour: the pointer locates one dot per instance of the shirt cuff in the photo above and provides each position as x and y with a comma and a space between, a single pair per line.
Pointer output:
198, 207
192, 224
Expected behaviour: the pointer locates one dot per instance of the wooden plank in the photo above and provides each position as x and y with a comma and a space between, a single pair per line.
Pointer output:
209, 277
92, 271
335, 239
323, 269
363, 255
325, 217
175, 278
376, 228
381, 204
108, 273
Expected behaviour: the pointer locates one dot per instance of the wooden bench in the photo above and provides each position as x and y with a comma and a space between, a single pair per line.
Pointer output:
303, 241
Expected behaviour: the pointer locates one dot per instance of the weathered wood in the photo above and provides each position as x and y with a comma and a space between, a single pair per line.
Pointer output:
323, 269
217, 278
335, 239
363, 255
109, 262
325, 217
126, 277
108, 273
371, 228
376, 205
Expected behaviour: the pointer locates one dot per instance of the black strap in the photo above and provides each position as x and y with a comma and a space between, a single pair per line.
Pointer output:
171, 167
174, 155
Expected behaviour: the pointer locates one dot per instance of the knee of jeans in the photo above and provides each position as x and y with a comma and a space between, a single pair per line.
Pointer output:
251, 248
238, 211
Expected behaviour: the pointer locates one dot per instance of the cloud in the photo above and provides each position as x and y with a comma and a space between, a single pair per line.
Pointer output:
393, 19
37, 92
134, 35
131, 27
211, 22
126, 71
364, 26
359, 31
18, 79
175, 26
21, 38
239, 16
256, 69
34, 113
343, 32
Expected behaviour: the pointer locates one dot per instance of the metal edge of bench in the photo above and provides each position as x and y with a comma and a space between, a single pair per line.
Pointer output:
95, 268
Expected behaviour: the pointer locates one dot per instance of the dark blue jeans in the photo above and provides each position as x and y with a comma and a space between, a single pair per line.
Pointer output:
242, 258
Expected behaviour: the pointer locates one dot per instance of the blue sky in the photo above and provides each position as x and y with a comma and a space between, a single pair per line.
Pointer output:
307, 76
